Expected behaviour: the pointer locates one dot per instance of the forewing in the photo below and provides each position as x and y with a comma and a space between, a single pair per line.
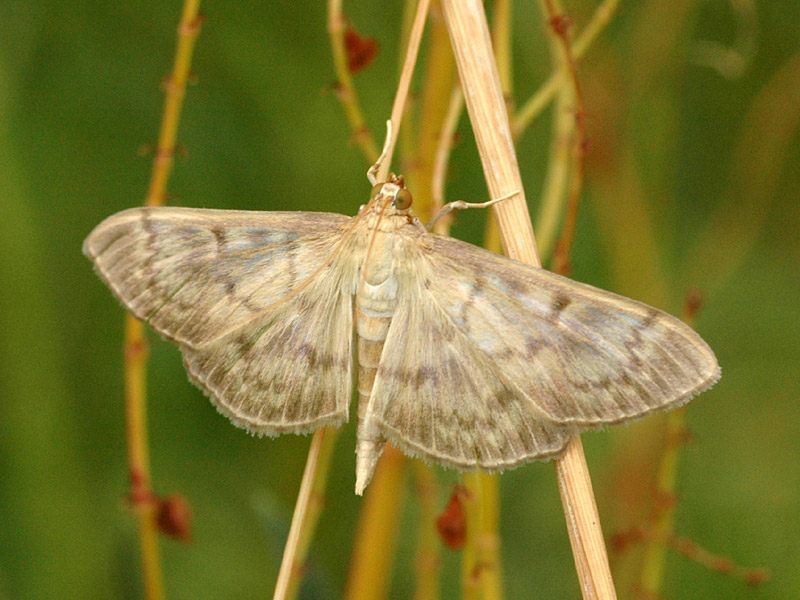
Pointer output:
196, 274
439, 396
584, 356
259, 303
290, 369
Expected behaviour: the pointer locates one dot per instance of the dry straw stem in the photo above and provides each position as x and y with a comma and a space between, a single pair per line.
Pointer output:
470, 38
403, 85
501, 42
432, 100
485, 487
310, 500
374, 547
135, 341
442, 157
305, 518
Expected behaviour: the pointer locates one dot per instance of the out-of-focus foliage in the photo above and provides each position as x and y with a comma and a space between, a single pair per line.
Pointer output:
692, 182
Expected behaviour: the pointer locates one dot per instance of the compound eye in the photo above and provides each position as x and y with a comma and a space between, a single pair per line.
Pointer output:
375, 191
403, 200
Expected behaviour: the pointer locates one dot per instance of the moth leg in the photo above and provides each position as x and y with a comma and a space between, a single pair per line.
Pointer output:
460, 205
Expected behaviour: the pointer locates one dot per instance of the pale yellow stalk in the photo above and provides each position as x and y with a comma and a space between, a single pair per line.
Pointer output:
310, 500
480, 81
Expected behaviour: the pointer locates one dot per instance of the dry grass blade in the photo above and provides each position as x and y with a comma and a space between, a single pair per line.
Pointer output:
306, 513
470, 36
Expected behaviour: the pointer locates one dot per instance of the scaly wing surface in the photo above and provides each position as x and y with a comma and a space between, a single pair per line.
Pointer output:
259, 303
440, 396
584, 356
489, 362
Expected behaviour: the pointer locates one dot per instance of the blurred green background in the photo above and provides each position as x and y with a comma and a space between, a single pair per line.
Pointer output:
692, 183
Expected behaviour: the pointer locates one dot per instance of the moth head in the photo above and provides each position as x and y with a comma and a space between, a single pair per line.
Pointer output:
393, 191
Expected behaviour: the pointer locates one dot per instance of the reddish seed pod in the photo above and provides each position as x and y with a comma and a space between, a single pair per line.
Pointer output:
451, 524
561, 24
174, 517
361, 51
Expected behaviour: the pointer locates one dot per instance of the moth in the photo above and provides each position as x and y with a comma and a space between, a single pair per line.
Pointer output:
464, 357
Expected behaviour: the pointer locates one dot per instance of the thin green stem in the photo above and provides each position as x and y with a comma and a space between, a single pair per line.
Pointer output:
470, 564
141, 494
404, 84
428, 555
560, 25
663, 524
489, 540
345, 90
142, 497
376, 536
536, 103
555, 193
175, 86
655, 556
480, 558
501, 42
